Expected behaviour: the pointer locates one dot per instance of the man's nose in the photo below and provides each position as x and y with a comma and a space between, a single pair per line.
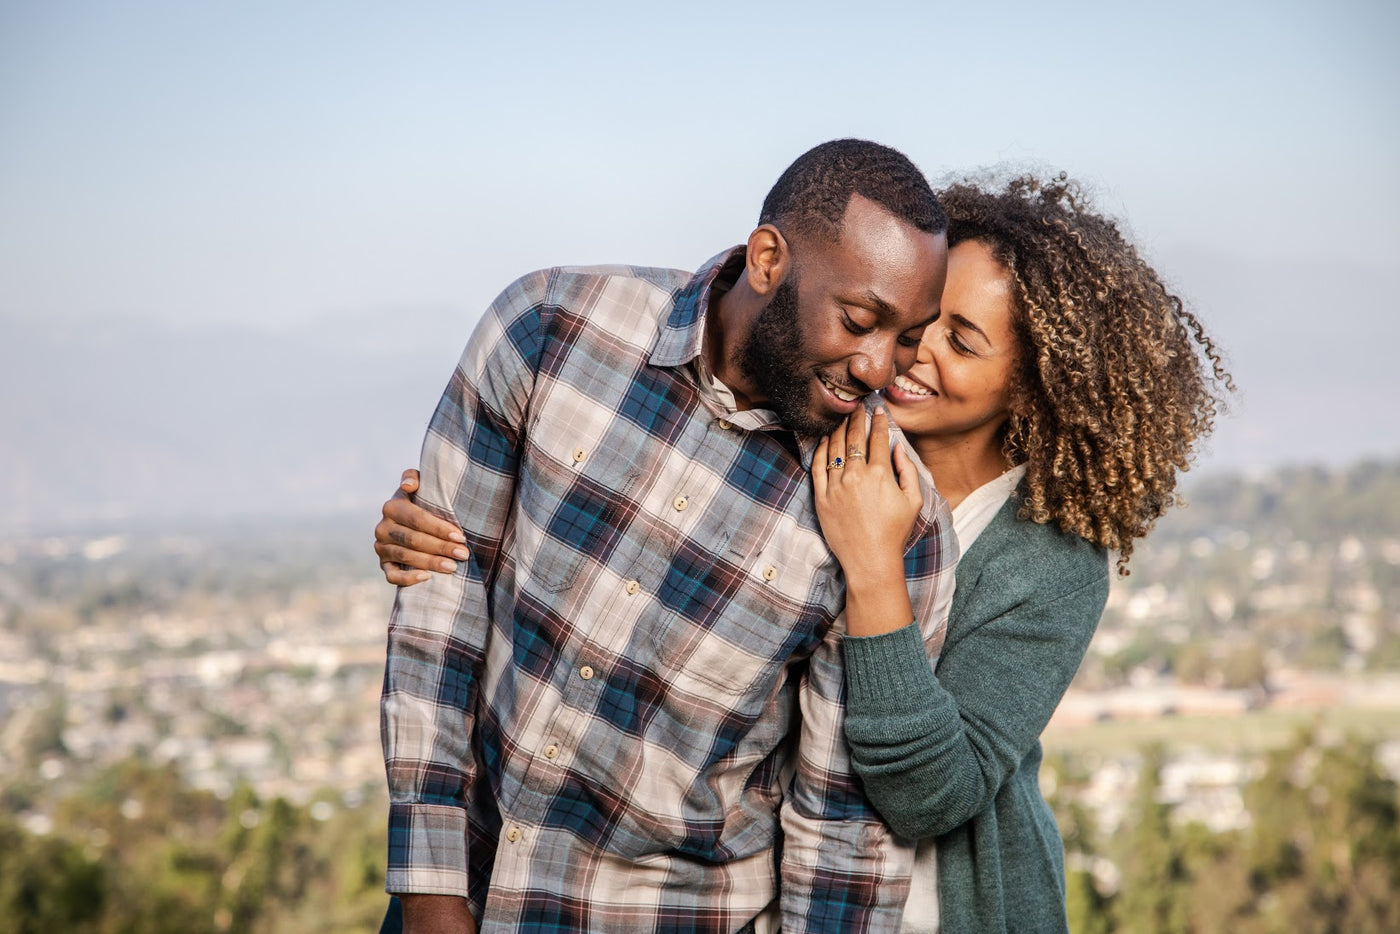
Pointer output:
874, 366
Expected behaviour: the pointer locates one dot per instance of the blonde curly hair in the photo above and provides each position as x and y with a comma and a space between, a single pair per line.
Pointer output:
1117, 382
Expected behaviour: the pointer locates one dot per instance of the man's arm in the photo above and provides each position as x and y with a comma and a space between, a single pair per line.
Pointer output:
429, 914
842, 868
438, 630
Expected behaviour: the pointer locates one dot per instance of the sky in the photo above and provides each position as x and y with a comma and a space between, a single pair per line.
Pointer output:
285, 165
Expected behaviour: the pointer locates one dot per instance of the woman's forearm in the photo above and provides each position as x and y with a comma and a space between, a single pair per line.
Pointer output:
933, 750
877, 598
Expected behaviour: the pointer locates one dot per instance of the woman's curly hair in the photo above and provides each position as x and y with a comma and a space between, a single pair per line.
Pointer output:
1117, 382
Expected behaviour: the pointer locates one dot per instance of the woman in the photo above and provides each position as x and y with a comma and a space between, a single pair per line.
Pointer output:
1053, 402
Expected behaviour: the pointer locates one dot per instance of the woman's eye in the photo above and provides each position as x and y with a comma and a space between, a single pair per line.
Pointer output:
958, 343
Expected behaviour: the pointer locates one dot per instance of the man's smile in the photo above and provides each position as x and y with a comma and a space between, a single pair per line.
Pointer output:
844, 395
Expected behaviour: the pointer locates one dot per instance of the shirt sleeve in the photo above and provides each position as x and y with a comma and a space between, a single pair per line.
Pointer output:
842, 868
438, 629
934, 750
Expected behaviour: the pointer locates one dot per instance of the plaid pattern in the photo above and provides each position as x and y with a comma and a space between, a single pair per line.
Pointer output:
587, 727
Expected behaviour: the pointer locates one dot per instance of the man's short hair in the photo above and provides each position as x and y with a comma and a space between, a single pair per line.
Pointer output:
811, 196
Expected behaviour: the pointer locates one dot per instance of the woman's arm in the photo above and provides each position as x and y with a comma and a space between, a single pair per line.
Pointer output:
867, 501
933, 750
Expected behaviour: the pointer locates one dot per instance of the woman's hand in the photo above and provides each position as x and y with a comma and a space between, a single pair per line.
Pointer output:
867, 507
411, 541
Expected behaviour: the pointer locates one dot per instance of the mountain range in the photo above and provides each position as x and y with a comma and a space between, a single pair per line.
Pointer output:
122, 420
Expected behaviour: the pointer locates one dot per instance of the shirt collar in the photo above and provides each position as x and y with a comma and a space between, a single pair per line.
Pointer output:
683, 335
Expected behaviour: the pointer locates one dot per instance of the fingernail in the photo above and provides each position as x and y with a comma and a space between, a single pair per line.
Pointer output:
461, 554
458, 537
879, 408
447, 565
421, 576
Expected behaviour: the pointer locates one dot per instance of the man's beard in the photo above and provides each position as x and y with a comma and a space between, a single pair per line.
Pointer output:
773, 357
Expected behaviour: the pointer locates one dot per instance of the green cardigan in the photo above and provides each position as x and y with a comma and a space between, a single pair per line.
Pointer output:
956, 755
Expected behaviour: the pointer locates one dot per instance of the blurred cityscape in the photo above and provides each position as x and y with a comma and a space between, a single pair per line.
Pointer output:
244, 663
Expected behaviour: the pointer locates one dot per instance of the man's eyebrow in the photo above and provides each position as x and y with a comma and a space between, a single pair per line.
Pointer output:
879, 305
885, 310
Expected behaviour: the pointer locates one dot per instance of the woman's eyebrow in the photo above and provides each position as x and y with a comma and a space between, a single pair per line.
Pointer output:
971, 327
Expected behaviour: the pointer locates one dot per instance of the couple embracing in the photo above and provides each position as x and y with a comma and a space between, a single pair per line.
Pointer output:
759, 583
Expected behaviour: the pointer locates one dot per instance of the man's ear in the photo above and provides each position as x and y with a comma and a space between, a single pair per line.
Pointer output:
768, 260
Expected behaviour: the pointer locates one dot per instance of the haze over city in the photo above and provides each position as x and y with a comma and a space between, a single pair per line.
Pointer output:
242, 245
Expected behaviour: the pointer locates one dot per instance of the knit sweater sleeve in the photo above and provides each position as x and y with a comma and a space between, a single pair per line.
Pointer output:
934, 749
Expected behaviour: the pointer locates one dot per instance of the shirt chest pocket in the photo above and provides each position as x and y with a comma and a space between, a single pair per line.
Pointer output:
746, 614
576, 487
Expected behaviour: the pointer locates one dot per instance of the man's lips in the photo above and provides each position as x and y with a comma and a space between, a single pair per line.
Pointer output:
840, 399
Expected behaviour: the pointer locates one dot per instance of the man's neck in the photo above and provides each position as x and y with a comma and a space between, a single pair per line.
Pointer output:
730, 313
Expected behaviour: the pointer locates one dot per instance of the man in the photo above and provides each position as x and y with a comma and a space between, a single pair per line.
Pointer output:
623, 711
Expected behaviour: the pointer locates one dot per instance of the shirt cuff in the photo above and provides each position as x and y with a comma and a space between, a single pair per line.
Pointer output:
889, 670
427, 850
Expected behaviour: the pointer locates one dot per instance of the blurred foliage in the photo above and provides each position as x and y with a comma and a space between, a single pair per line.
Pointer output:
1321, 852
137, 852
1299, 568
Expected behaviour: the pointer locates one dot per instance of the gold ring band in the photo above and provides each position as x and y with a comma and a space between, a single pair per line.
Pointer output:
855, 453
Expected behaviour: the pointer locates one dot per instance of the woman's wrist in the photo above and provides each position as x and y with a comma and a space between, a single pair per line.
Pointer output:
874, 576
878, 603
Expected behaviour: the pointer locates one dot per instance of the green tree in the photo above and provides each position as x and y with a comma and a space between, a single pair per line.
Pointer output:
1325, 844
1087, 909
47, 884
1152, 900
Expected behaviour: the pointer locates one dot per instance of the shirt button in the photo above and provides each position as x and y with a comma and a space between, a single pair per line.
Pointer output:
680, 502
632, 587
725, 424
586, 673
513, 834
769, 573
579, 455
551, 751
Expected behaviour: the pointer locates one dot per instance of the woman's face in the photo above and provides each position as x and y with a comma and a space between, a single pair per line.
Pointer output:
959, 389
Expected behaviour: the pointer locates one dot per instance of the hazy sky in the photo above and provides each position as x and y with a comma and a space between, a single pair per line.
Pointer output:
281, 162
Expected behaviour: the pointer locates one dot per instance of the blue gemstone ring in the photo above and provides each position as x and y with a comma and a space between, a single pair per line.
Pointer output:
836, 463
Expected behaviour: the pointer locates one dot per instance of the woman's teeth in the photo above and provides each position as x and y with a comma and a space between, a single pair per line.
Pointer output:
911, 387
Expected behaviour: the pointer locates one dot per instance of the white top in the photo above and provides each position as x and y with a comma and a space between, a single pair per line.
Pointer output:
970, 518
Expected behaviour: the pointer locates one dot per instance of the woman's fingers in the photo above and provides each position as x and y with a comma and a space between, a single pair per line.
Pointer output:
411, 558
879, 451
391, 534
907, 476
856, 435
836, 447
400, 510
819, 477
402, 577
410, 541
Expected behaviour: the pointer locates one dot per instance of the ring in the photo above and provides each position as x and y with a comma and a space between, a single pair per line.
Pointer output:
856, 453
836, 463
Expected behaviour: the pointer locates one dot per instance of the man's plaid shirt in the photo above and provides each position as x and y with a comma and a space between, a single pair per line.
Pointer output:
628, 702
